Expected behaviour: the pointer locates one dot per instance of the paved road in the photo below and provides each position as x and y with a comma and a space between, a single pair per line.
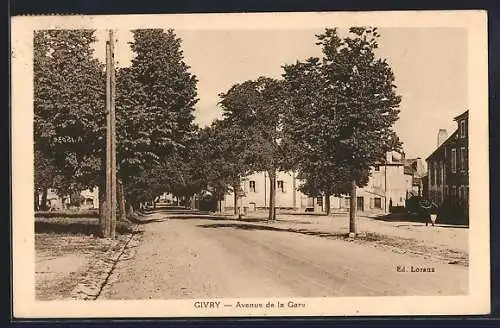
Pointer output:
189, 256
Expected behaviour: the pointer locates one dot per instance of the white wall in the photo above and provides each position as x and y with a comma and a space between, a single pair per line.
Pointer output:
388, 183
288, 197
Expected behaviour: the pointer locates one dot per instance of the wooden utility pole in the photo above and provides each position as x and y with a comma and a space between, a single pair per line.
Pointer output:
110, 223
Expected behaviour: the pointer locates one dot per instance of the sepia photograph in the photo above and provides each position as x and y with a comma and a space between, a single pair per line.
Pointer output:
250, 164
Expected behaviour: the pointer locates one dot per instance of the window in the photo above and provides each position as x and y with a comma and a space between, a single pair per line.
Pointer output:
436, 173
378, 202
463, 159
252, 186
453, 160
462, 129
453, 191
431, 172
439, 174
281, 186
445, 191
442, 172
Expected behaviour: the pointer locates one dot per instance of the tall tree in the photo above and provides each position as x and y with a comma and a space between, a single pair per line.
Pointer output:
68, 107
257, 107
155, 104
349, 102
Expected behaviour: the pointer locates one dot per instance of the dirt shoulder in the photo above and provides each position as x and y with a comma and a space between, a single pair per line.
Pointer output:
445, 243
67, 253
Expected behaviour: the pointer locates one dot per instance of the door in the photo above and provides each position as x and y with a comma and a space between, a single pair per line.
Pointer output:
361, 203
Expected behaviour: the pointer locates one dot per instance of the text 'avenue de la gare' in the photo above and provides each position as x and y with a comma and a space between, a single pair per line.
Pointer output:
251, 305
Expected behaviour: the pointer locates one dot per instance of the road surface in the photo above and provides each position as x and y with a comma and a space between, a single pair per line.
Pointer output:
192, 256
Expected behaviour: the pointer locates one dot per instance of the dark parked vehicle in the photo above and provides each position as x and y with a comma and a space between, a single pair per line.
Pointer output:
422, 207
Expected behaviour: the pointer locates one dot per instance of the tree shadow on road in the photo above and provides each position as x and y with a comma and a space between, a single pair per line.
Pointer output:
233, 219
215, 218
242, 226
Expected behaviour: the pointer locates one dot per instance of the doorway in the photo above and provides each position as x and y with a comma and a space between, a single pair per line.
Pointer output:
360, 203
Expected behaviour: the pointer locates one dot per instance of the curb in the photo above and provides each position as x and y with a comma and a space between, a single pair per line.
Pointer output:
96, 277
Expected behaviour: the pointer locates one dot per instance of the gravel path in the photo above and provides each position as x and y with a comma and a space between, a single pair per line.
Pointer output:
200, 256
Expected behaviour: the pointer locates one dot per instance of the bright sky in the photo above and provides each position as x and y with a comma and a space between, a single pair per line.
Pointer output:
430, 65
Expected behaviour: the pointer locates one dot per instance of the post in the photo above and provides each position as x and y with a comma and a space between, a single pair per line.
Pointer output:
272, 195
352, 209
110, 223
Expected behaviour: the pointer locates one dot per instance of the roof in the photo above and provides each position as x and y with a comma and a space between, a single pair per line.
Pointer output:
438, 149
464, 114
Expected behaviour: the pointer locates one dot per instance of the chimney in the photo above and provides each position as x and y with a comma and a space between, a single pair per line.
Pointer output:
442, 136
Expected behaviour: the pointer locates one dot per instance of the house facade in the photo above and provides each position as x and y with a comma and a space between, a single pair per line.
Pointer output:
417, 169
448, 167
387, 188
89, 200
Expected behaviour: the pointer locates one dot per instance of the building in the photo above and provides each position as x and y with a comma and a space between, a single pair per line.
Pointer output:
89, 199
416, 168
448, 167
387, 188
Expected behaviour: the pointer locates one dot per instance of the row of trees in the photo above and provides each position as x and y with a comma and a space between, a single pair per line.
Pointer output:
154, 111
329, 119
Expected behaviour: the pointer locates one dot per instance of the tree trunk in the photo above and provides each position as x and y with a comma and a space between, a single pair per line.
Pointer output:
121, 202
327, 204
130, 209
236, 192
352, 210
37, 201
43, 205
272, 195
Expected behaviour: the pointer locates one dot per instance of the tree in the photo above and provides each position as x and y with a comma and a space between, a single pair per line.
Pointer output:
343, 109
228, 157
68, 110
257, 108
327, 181
155, 104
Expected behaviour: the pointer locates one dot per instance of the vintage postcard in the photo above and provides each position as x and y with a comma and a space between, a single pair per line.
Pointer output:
277, 164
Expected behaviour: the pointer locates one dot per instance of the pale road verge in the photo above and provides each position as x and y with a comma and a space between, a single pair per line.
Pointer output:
190, 256
446, 243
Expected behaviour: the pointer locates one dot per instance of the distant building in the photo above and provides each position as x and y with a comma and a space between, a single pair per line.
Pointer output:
89, 199
416, 168
387, 188
448, 166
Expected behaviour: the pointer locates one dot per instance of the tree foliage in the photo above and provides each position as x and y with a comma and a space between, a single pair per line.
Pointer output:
155, 104
68, 109
257, 109
343, 107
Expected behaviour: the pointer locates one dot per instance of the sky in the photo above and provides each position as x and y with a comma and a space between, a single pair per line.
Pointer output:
430, 67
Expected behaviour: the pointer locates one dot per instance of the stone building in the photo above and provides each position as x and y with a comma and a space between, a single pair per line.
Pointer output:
448, 166
387, 188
